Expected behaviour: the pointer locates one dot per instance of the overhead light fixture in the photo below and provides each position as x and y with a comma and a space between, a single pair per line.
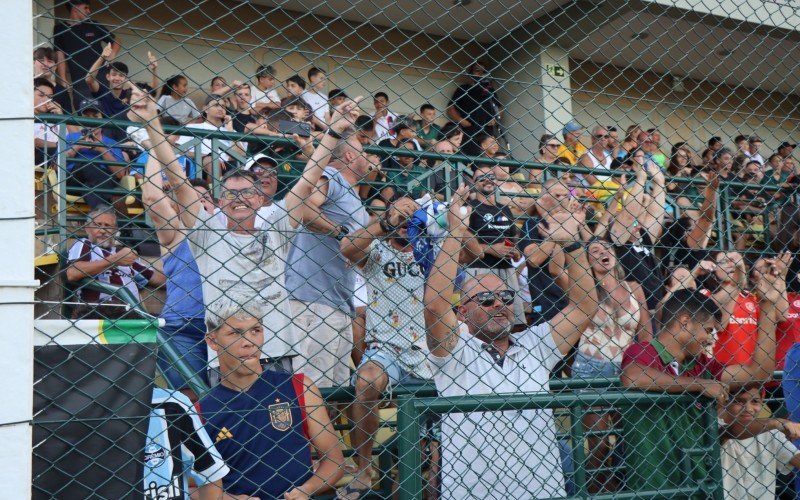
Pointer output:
724, 52
461, 3
642, 35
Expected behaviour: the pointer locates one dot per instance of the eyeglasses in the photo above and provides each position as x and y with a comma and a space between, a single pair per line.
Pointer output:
486, 299
486, 177
264, 172
552, 145
602, 136
232, 194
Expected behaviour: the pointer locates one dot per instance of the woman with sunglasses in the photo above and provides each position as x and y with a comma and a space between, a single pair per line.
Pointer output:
621, 318
548, 149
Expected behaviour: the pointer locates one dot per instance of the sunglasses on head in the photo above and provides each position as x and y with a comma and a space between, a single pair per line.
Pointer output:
487, 299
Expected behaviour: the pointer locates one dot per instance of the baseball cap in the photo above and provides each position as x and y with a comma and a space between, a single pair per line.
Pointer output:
787, 145
754, 138
572, 126
337, 93
89, 104
260, 157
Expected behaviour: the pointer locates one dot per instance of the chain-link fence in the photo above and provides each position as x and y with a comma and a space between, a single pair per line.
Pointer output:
421, 249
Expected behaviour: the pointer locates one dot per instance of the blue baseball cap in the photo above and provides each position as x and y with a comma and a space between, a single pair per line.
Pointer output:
572, 126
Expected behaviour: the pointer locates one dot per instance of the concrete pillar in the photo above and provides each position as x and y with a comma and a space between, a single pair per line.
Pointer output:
537, 94
16, 253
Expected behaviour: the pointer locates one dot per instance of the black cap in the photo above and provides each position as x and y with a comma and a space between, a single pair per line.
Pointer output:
714, 140
787, 145
337, 93
88, 104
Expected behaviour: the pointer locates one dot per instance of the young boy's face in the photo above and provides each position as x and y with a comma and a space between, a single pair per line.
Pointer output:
293, 88
116, 78
266, 81
698, 334
428, 116
744, 407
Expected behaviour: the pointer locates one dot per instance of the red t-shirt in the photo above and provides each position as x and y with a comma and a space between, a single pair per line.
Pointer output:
654, 355
788, 331
736, 343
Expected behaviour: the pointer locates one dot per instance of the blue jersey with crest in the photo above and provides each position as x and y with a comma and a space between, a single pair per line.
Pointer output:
261, 434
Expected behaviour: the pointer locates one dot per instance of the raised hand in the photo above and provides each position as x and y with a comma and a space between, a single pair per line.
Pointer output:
143, 108
152, 61
345, 114
107, 51
458, 213
562, 227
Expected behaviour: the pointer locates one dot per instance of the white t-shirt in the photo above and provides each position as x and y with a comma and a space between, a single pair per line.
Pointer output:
756, 157
318, 103
395, 309
258, 96
749, 466
247, 267
205, 146
384, 126
509, 454
45, 131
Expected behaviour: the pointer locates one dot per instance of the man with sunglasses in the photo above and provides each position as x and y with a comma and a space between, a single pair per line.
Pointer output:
598, 158
396, 352
492, 223
510, 454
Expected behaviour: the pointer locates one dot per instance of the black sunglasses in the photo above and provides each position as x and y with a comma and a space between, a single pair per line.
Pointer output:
487, 299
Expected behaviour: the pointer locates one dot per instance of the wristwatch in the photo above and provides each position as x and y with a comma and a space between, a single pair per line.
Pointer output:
333, 134
342, 232
573, 246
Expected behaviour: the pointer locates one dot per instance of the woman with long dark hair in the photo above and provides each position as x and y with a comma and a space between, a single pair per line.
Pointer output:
173, 101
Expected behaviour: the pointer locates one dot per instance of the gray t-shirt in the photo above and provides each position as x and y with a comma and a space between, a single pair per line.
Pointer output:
246, 267
317, 272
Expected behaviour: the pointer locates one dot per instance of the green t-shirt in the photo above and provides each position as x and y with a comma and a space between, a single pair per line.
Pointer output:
433, 135
405, 182
661, 439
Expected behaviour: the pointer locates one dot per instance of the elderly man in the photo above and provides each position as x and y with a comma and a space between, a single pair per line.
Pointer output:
98, 256
511, 454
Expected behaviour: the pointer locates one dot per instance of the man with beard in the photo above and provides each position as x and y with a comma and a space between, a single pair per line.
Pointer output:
97, 256
509, 454
395, 345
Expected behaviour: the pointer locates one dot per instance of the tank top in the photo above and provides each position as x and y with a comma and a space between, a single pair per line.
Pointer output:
184, 299
261, 434
610, 334
599, 165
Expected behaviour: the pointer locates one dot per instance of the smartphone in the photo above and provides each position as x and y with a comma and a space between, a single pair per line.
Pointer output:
303, 129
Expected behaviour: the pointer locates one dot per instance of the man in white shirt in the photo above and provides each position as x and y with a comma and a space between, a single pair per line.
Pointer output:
753, 145
316, 98
383, 119
264, 96
510, 454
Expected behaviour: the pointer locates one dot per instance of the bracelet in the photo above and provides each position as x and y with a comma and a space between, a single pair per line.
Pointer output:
572, 247
333, 134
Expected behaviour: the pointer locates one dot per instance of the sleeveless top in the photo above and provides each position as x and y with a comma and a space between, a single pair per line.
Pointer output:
599, 165
610, 334
184, 299
261, 434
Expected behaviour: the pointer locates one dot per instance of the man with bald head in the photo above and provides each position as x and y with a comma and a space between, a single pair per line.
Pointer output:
511, 454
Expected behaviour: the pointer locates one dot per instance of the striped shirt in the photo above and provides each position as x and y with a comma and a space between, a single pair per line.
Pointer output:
177, 445
132, 277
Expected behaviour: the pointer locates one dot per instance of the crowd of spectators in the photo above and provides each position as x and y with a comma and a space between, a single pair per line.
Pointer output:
611, 265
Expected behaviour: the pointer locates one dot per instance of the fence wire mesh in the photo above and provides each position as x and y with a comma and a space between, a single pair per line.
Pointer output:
421, 249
